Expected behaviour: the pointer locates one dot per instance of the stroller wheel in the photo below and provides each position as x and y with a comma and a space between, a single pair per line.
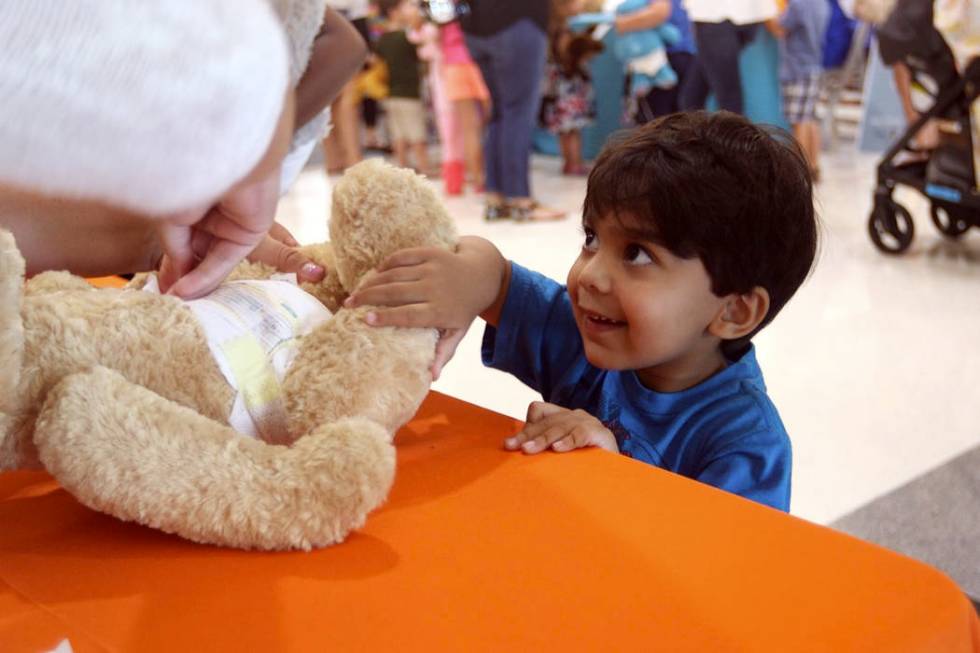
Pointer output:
949, 221
890, 226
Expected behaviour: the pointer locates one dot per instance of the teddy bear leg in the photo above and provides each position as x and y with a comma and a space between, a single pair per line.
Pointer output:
121, 449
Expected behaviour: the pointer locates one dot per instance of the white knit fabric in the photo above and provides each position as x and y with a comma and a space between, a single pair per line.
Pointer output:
302, 20
152, 105
740, 12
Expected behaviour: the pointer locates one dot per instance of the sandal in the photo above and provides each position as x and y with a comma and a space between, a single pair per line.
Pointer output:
536, 212
495, 212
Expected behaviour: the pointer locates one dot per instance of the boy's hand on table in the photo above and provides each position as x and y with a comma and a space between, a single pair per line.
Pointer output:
560, 429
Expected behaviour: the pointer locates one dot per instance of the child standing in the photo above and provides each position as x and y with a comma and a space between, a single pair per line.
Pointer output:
698, 229
403, 107
801, 28
460, 100
468, 96
568, 104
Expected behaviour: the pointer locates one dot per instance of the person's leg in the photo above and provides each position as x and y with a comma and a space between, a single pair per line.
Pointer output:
418, 135
468, 119
799, 133
563, 149
420, 152
369, 113
694, 89
575, 166
664, 101
571, 150
400, 151
483, 51
812, 129
520, 64
719, 47
450, 134
347, 122
396, 130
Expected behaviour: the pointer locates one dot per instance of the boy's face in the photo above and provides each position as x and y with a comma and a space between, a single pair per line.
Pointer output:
639, 307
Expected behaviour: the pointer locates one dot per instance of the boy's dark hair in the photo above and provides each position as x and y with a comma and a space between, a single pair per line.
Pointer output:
715, 186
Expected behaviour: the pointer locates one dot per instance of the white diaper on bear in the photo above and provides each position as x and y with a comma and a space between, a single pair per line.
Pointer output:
253, 329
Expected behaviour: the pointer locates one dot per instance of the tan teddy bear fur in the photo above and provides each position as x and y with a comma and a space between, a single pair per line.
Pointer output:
115, 393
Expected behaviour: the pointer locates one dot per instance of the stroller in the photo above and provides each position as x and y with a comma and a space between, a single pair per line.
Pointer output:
948, 177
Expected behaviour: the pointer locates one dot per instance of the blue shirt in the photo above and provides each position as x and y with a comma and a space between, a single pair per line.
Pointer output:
724, 431
678, 18
801, 51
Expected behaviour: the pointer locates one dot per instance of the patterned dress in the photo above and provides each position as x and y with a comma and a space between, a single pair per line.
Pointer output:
568, 103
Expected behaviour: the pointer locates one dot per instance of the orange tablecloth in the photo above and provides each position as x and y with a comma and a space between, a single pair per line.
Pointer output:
478, 549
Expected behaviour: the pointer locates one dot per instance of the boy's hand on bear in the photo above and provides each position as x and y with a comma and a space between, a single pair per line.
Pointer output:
433, 287
560, 429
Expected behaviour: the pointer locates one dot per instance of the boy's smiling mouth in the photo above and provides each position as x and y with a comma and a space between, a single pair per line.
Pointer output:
599, 323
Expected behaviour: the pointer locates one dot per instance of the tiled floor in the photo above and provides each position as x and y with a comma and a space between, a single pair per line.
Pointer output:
874, 365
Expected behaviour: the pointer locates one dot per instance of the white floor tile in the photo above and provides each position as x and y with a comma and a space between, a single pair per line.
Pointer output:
874, 365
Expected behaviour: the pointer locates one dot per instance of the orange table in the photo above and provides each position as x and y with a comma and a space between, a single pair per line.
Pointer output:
478, 549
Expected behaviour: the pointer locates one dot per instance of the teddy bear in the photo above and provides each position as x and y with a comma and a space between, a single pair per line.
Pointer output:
643, 51
117, 394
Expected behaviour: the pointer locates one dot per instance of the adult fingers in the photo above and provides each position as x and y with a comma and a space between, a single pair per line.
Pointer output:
177, 244
280, 233
287, 259
211, 271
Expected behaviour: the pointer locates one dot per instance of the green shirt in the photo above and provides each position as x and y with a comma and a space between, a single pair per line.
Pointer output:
403, 64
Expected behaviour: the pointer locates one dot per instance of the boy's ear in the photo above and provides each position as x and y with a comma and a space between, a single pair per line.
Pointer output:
740, 314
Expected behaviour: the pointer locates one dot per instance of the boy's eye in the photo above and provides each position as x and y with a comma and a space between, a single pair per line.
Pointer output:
591, 240
636, 255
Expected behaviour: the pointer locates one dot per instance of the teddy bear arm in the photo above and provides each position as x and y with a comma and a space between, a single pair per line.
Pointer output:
51, 282
347, 368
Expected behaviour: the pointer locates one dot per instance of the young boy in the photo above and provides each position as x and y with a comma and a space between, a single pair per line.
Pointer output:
801, 28
698, 229
403, 107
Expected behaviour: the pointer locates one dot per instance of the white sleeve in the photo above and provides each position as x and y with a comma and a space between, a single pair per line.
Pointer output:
148, 105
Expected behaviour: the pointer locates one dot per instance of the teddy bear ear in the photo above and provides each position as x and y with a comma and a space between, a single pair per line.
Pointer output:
378, 209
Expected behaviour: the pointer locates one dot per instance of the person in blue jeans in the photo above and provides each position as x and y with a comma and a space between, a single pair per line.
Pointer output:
681, 55
722, 29
698, 229
508, 41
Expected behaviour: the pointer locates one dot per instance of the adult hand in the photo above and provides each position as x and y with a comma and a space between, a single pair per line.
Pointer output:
278, 249
560, 429
202, 247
